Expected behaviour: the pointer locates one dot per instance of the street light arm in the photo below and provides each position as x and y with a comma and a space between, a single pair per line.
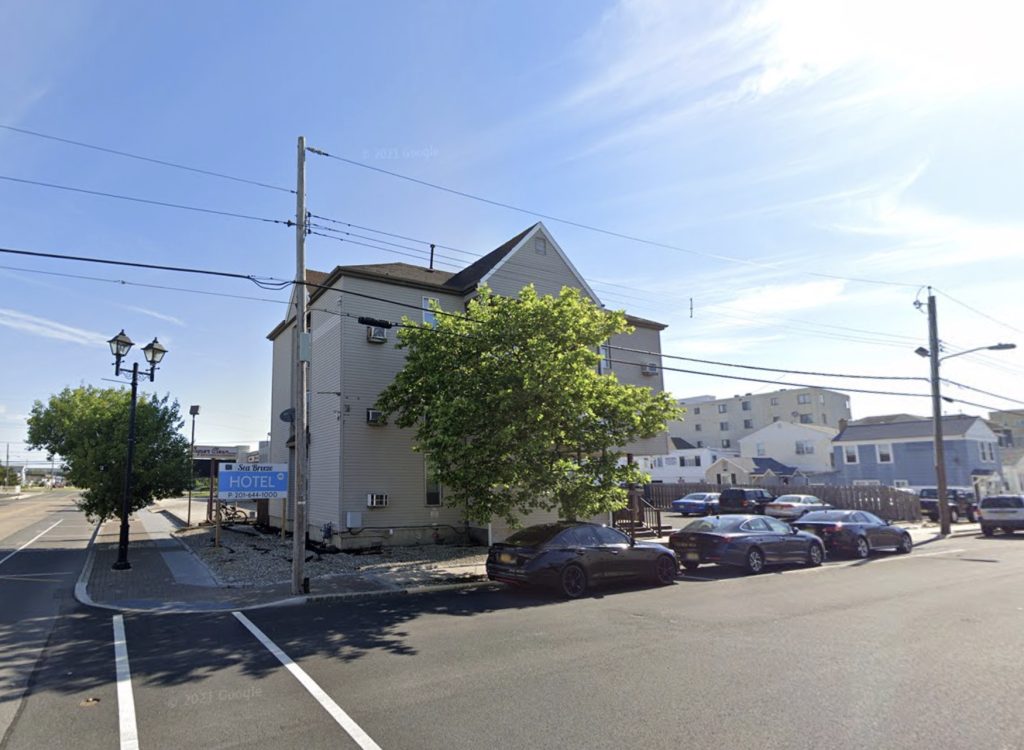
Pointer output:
993, 347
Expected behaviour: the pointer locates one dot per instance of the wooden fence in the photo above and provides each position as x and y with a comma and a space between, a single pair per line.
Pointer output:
885, 502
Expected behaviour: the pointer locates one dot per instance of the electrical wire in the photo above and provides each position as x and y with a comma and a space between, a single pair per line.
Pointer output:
768, 369
979, 390
161, 162
979, 312
600, 230
134, 199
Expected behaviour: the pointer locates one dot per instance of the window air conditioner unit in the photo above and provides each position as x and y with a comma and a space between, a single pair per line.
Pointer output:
649, 368
377, 500
376, 334
373, 416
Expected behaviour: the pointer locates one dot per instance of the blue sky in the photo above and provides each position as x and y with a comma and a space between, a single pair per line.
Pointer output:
773, 145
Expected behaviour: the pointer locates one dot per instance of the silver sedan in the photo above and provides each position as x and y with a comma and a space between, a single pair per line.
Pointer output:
791, 507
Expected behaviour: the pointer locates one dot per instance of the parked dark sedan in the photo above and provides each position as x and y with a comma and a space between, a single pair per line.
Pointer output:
747, 541
573, 556
855, 532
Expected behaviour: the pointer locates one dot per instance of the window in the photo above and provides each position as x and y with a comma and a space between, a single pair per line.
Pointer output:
745, 406
755, 524
578, 536
608, 536
804, 448
696, 460
433, 493
540, 246
748, 424
698, 427
779, 527
723, 408
696, 410
700, 443
988, 453
850, 454
733, 475
671, 461
803, 398
428, 315
657, 462
901, 483
824, 418
774, 401
806, 419
775, 419
605, 365
726, 443
884, 453
760, 449
723, 426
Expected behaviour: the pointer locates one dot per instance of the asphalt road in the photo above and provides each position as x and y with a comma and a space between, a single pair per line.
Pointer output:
918, 651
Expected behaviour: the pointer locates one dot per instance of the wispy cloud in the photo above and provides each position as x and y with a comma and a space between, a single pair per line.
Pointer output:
156, 314
20, 321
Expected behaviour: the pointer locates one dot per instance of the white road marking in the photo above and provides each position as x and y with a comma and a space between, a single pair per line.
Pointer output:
344, 720
30, 541
125, 697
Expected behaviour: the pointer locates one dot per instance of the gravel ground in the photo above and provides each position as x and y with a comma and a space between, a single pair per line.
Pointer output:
249, 558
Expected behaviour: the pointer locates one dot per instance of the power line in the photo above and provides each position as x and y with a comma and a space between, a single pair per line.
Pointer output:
979, 390
768, 369
600, 230
979, 312
134, 199
161, 162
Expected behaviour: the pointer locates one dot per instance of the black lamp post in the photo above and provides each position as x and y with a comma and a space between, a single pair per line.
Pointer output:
193, 410
154, 352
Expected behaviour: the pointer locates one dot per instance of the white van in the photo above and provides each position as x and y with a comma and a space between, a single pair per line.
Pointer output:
1004, 512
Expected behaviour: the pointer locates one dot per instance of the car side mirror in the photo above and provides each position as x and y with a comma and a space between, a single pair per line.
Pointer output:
795, 529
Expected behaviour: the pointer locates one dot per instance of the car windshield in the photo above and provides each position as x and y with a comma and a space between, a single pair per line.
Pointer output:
929, 493
827, 515
1003, 502
696, 496
727, 523
533, 536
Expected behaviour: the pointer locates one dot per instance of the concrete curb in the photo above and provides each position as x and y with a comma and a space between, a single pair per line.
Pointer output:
82, 584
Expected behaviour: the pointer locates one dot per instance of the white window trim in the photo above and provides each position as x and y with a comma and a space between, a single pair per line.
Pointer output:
878, 453
846, 456
428, 312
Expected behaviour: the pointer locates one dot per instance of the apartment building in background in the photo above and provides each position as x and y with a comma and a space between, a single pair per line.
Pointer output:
720, 423
1011, 427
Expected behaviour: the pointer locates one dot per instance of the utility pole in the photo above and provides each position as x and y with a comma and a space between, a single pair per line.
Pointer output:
7, 465
940, 453
302, 352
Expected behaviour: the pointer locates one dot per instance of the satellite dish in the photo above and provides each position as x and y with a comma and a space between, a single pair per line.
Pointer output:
288, 415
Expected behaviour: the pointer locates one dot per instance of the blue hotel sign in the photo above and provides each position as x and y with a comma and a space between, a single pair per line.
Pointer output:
252, 481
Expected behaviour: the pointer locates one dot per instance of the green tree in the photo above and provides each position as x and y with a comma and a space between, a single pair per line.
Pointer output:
9, 477
508, 405
88, 428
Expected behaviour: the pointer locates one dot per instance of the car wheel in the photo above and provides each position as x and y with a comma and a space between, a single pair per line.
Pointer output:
815, 555
574, 581
665, 570
755, 561
971, 517
862, 549
988, 530
954, 515
690, 566
906, 544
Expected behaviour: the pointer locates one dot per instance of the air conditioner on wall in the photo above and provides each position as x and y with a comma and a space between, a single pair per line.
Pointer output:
649, 368
377, 500
376, 334
373, 416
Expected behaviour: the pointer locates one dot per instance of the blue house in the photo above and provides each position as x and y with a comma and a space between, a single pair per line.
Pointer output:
902, 454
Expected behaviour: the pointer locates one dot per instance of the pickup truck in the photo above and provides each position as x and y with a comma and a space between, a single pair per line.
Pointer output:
961, 501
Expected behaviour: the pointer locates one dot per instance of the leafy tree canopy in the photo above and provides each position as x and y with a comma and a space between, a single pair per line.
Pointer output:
507, 403
88, 428
9, 476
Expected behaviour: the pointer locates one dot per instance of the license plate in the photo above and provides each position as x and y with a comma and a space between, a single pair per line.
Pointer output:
506, 558
694, 556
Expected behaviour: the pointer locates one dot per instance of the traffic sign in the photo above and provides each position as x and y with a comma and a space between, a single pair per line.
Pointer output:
252, 481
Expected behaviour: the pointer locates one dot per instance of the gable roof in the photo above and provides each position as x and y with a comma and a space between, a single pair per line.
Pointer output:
471, 275
823, 430
952, 426
680, 444
770, 464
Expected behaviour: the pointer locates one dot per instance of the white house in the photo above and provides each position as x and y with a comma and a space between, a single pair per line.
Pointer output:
808, 447
743, 470
366, 486
685, 463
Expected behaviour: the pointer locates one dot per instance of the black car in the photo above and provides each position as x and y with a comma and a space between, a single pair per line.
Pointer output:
571, 557
744, 500
747, 541
961, 502
855, 532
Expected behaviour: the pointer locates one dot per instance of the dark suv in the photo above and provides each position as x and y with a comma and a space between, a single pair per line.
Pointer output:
960, 500
743, 500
